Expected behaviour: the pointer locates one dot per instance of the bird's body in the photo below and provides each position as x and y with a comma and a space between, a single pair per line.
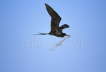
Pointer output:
55, 21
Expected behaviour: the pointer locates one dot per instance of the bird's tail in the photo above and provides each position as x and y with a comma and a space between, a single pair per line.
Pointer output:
40, 34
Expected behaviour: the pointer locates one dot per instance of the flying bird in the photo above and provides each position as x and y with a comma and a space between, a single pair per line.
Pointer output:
56, 30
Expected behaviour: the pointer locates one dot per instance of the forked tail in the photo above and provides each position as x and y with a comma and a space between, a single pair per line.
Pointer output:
40, 34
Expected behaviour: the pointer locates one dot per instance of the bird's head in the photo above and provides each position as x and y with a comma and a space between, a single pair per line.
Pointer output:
64, 26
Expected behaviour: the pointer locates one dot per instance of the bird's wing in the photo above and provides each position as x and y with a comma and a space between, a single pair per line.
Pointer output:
55, 18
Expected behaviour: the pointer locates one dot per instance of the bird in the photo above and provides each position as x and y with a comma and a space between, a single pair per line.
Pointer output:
56, 30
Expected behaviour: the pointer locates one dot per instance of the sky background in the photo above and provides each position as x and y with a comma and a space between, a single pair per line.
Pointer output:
20, 51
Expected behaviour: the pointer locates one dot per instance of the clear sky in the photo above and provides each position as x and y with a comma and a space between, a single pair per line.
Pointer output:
20, 51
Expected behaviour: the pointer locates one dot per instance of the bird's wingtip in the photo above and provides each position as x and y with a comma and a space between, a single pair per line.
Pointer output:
45, 3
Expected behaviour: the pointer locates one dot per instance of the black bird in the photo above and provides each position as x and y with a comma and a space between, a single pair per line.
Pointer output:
56, 30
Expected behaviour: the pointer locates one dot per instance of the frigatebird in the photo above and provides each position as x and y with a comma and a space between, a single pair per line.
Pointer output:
56, 30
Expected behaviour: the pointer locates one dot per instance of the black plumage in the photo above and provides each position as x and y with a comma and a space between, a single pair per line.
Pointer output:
55, 21
56, 30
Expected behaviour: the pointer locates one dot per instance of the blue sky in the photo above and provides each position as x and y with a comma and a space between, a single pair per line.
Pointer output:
20, 51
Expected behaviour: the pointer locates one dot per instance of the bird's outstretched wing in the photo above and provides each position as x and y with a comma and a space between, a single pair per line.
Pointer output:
55, 19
